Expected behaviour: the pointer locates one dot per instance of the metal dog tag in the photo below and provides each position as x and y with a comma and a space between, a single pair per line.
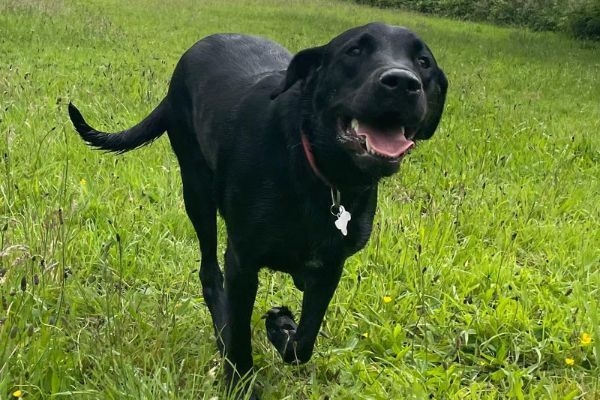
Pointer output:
341, 222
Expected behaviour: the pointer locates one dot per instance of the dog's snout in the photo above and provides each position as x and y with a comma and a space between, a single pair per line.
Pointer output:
400, 80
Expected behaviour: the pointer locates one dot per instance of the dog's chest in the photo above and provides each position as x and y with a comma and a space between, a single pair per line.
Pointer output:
300, 252
291, 240
272, 225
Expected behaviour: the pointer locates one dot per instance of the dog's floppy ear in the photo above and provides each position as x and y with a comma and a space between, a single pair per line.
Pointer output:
436, 97
301, 66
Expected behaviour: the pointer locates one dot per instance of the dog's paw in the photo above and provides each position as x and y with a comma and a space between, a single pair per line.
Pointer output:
281, 330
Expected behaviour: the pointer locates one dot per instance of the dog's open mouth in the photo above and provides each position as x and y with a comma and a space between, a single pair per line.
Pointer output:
389, 144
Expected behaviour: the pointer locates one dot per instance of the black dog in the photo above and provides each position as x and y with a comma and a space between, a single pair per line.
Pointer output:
290, 152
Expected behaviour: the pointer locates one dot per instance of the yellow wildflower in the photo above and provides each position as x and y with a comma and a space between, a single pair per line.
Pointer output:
18, 394
365, 335
570, 361
387, 299
586, 339
82, 182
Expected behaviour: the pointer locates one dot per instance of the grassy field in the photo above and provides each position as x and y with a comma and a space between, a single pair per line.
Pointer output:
481, 279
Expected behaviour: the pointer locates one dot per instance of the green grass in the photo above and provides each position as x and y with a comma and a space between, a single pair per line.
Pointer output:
487, 242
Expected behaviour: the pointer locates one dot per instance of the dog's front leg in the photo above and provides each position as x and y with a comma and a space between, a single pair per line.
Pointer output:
241, 284
296, 344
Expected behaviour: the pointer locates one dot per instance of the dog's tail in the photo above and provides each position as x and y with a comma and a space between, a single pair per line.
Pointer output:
149, 129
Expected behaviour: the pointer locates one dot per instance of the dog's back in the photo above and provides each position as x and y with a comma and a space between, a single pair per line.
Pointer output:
212, 78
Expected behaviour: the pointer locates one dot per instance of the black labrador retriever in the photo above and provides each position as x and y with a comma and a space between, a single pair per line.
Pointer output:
290, 151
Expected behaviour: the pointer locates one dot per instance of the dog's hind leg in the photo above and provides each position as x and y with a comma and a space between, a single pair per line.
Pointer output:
230, 299
201, 208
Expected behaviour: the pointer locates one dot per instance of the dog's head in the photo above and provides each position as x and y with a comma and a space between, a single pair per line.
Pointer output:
367, 96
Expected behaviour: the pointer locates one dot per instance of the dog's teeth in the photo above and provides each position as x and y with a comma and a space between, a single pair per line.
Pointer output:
368, 147
354, 125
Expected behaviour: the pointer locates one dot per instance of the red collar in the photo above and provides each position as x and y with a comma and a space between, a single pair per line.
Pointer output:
311, 159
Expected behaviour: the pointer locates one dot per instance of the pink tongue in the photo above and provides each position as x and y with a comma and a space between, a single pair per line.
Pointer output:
389, 144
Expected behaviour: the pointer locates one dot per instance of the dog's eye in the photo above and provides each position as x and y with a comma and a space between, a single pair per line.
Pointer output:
354, 51
424, 62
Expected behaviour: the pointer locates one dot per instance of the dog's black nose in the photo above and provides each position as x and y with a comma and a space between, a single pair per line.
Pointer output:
400, 80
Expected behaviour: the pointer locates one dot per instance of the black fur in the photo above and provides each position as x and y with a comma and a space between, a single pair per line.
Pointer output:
235, 111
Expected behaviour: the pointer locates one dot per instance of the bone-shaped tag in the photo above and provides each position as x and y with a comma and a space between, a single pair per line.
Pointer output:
341, 222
